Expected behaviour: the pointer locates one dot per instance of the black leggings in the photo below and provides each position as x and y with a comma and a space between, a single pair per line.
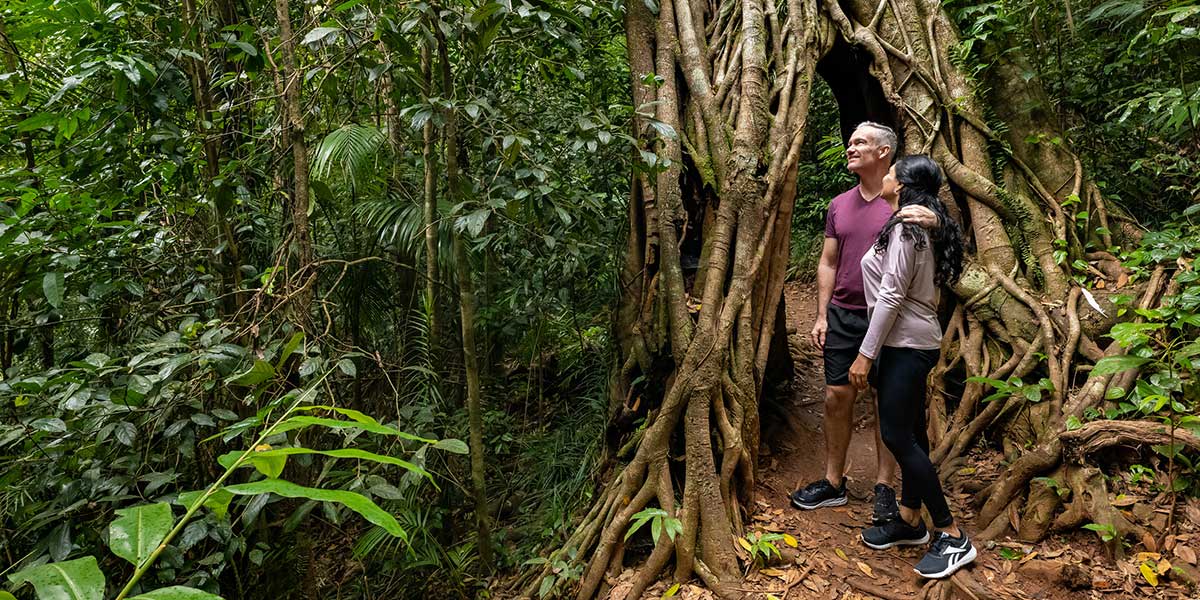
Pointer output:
900, 375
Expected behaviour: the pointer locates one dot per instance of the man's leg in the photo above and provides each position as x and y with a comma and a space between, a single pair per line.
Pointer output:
839, 417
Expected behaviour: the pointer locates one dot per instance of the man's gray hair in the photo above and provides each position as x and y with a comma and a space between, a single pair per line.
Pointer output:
887, 135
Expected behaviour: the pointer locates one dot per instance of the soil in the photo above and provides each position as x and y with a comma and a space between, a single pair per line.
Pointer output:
829, 562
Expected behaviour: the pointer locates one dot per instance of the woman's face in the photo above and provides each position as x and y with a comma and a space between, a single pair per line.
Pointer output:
891, 187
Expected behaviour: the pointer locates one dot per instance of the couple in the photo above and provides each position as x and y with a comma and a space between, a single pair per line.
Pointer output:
889, 247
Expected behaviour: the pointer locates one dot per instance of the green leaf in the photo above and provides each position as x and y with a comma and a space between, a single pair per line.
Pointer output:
6, 596
260, 372
271, 466
289, 348
78, 579
52, 287
228, 459
301, 422
355, 502
452, 445
36, 121
140, 530
177, 592
321, 34
218, 502
347, 366
1116, 364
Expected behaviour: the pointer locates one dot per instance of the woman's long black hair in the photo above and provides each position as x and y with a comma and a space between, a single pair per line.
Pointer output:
922, 179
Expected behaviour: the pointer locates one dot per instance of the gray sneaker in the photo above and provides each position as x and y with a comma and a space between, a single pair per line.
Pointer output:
947, 555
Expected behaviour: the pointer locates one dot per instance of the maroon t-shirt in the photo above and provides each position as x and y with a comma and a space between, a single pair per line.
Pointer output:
854, 223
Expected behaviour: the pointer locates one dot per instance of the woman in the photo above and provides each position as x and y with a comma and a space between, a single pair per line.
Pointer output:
902, 277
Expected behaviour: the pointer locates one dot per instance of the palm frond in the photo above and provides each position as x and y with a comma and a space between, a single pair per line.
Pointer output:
349, 149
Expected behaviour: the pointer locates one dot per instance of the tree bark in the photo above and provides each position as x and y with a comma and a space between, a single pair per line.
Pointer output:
301, 245
466, 289
430, 209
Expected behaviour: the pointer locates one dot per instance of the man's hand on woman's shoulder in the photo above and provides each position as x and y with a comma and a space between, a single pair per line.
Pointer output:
920, 216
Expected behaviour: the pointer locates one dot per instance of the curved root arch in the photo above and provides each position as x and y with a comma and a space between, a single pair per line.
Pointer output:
708, 247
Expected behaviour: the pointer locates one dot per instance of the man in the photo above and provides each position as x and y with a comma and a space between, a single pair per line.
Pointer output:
854, 220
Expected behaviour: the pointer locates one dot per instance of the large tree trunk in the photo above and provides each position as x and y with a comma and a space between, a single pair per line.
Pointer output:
301, 279
733, 77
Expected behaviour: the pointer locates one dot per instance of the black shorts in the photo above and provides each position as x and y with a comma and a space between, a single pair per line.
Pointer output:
845, 334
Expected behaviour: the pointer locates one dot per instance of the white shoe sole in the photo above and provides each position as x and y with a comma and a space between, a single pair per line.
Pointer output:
968, 559
917, 542
822, 504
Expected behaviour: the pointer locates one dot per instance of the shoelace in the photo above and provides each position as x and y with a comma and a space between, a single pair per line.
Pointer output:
941, 543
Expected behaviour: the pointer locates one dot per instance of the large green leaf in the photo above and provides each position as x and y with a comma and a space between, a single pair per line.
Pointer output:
140, 530
1116, 364
218, 502
260, 372
302, 421
177, 592
52, 287
78, 579
229, 458
355, 502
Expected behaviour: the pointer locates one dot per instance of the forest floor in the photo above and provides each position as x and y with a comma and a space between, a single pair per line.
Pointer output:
831, 563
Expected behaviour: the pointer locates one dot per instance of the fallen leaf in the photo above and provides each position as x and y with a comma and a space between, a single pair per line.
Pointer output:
1149, 574
812, 585
865, 569
1145, 556
774, 573
672, 591
1028, 557
1122, 500
1186, 553
1100, 284
744, 544
1149, 542
1164, 565
841, 555
1052, 553
1122, 279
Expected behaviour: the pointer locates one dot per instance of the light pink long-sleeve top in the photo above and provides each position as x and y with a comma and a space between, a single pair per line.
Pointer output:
902, 298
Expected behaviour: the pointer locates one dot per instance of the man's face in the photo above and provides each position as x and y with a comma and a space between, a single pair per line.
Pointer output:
863, 152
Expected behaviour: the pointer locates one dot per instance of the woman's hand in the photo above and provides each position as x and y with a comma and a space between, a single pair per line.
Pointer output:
859, 370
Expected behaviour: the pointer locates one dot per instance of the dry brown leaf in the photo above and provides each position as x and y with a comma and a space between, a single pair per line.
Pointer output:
1122, 500
1141, 557
774, 573
1027, 557
865, 569
1052, 553
1149, 542
1186, 553
1122, 279
812, 585
1163, 566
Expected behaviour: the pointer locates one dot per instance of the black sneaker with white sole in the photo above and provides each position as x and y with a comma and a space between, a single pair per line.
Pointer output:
819, 494
895, 533
886, 508
947, 555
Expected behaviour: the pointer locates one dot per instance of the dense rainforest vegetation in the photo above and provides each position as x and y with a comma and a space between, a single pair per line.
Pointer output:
369, 299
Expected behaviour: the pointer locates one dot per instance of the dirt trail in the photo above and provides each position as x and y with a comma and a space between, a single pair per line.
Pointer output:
830, 562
